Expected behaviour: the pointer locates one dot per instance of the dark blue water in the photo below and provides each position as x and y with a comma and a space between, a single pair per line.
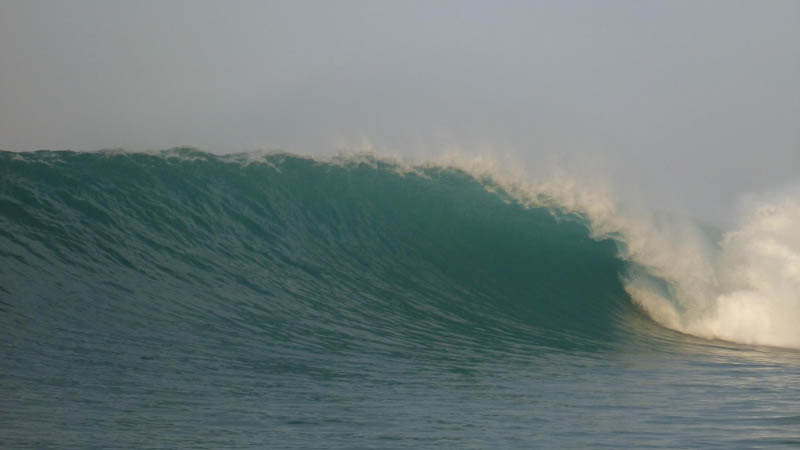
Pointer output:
186, 300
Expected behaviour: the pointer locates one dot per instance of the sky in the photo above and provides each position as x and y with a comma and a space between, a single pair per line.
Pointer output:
692, 104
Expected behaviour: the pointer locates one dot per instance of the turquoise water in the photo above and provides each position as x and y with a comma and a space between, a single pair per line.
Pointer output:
185, 300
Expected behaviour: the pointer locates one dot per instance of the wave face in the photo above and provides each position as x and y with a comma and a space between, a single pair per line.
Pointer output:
358, 244
179, 283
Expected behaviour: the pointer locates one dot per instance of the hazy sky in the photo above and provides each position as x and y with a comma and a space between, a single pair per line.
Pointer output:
692, 102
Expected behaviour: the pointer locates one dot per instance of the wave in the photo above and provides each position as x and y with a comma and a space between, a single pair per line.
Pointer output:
741, 285
361, 251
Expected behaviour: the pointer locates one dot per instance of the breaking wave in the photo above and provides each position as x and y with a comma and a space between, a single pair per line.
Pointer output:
364, 253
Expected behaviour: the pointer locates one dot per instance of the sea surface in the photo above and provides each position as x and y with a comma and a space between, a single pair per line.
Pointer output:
180, 299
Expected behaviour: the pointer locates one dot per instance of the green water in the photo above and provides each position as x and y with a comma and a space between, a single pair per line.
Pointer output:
185, 300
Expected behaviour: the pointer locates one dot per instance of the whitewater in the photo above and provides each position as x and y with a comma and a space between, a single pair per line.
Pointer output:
741, 285
185, 299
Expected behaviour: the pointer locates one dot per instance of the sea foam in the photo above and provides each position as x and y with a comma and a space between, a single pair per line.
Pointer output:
740, 285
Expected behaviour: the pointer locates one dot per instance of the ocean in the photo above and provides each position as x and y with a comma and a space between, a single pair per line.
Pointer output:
181, 299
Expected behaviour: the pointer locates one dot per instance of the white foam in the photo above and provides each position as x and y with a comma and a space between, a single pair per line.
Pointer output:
744, 287
741, 286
